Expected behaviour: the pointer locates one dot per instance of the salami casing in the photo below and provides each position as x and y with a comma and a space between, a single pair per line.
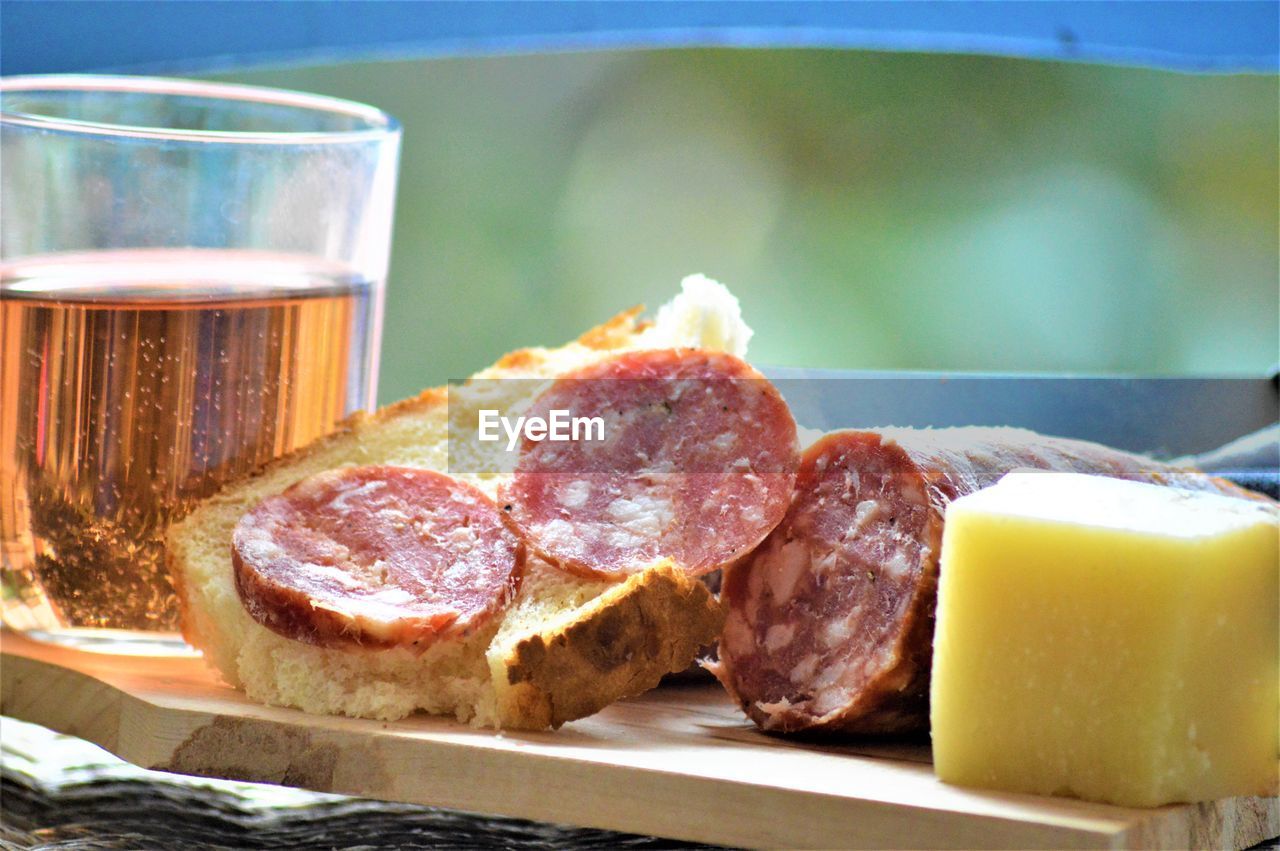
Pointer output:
830, 621
696, 463
375, 557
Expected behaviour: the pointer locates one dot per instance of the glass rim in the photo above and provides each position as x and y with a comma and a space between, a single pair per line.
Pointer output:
378, 124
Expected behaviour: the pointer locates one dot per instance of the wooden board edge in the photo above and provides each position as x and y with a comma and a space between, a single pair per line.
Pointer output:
1248, 821
191, 741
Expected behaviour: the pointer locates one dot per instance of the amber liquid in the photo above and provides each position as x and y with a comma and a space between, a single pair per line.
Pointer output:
134, 383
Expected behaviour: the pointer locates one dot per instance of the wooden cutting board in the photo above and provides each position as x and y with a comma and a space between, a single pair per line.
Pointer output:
679, 762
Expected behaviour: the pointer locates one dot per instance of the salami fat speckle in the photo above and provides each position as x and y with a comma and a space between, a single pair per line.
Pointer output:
375, 557
697, 464
830, 621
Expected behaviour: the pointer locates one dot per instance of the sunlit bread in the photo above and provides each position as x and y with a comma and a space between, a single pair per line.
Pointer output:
565, 647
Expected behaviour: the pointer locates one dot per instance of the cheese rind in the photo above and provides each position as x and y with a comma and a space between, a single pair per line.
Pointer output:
1109, 640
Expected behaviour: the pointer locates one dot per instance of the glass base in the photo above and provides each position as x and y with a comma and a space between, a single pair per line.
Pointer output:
120, 642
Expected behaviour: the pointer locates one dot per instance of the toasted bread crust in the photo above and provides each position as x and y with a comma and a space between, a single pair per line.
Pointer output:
619, 645
614, 645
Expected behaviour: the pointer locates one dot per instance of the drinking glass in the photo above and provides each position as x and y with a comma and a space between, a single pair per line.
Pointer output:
191, 283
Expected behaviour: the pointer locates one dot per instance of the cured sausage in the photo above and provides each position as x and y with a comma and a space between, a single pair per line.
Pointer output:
830, 622
375, 557
696, 462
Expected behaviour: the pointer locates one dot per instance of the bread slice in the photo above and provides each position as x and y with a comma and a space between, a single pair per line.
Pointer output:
565, 647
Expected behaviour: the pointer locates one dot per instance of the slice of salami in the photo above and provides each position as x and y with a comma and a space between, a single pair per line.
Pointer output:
376, 557
697, 463
830, 621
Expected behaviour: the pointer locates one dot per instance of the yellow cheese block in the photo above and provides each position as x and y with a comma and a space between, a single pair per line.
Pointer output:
1108, 640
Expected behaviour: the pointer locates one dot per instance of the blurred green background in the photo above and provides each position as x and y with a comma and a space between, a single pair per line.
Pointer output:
871, 210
